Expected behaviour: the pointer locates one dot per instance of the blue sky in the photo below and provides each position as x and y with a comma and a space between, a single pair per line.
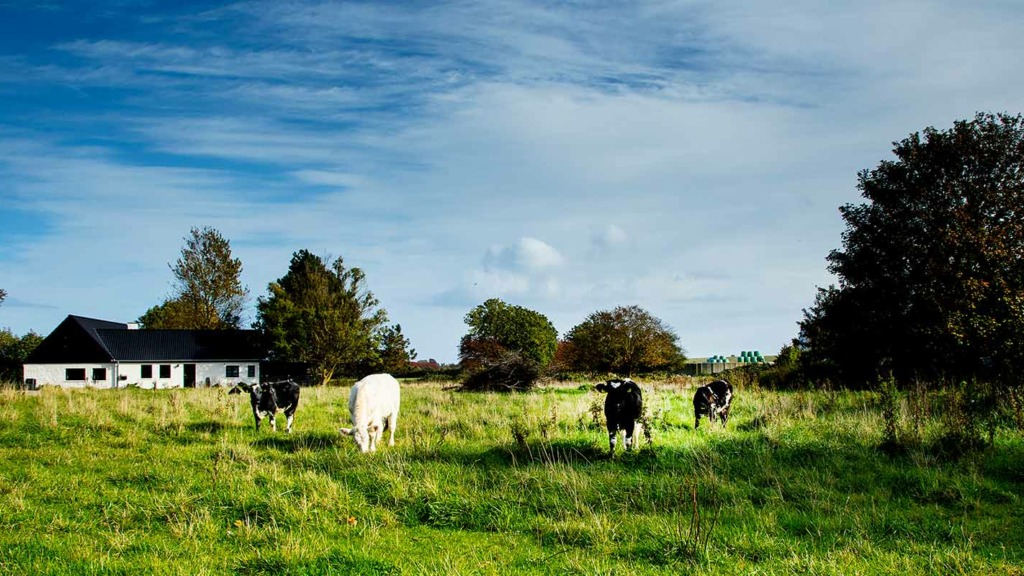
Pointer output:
685, 156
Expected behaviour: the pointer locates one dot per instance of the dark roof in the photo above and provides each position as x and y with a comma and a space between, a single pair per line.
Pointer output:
142, 345
86, 340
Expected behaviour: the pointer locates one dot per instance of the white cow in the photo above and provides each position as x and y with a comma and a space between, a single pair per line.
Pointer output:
373, 403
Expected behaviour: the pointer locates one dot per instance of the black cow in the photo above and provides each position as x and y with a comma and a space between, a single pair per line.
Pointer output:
622, 407
711, 400
268, 398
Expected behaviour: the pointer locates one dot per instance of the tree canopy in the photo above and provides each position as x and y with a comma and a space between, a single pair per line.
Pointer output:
931, 271
506, 346
395, 353
513, 328
625, 340
3, 295
13, 351
321, 314
208, 292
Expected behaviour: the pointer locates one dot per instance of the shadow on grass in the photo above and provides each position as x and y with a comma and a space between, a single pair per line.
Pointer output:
300, 441
206, 427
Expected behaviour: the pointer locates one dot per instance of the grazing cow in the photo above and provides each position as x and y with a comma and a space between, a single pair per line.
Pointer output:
373, 404
268, 397
712, 400
622, 407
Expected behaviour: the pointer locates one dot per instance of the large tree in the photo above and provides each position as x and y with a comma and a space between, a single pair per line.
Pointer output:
207, 292
321, 314
507, 346
931, 272
512, 328
625, 340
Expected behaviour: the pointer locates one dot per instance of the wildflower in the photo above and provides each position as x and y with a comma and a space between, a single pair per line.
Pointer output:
238, 523
351, 520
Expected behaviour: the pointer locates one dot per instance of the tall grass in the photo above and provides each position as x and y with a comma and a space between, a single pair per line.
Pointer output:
178, 482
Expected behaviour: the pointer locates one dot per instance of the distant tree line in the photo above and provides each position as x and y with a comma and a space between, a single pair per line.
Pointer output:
509, 347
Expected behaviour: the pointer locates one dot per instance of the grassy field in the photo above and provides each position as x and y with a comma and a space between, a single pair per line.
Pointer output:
178, 482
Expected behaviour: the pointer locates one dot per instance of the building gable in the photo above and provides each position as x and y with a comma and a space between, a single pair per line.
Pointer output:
75, 340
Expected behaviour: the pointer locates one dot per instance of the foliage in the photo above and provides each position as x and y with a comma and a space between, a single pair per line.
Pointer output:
208, 292
514, 328
787, 372
3, 295
322, 315
395, 353
503, 370
625, 340
171, 314
931, 273
507, 346
13, 351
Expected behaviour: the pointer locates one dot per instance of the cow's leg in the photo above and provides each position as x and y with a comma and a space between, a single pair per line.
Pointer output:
273, 422
256, 415
372, 434
612, 438
392, 422
289, 414
629, 428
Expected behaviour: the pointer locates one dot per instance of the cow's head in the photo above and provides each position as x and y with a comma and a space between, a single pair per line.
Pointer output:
240, 387
612, 385
707, 397
361, 435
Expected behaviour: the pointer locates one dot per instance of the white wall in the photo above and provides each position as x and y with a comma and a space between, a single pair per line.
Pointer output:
55, 373
131, 373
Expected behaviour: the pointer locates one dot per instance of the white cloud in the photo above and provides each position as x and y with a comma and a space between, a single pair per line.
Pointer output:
528, 255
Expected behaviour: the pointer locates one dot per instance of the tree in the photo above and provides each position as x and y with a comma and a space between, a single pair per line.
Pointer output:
506, 346
208, 291
3, 295
321, 315
626, 340
13, 352
171, 314
394, 352
514, 328
931, 272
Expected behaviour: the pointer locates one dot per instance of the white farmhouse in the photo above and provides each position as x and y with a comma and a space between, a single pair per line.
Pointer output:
84, 352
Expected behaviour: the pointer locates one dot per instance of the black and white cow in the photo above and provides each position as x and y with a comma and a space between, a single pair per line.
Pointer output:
712, 400
622, 407
268, 398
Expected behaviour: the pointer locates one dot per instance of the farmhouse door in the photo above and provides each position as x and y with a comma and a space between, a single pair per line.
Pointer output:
190, 375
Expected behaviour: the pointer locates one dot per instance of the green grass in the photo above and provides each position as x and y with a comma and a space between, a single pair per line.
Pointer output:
178, 482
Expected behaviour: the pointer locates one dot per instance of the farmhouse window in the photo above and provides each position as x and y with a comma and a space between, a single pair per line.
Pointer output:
231, 371
147, 371
251, 371
74, 373
165, 370
99, 374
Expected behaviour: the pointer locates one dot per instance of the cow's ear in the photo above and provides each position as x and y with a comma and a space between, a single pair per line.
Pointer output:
347, 431
601, 387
